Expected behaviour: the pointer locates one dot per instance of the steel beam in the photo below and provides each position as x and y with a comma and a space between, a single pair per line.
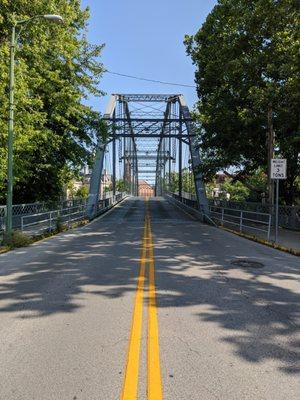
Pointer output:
180, 164
196, 160
158, 128
147, 135
146, 97
95, 182
156, 120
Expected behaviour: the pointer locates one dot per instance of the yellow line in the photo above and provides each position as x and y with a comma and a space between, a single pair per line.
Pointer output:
130, 387
154, 373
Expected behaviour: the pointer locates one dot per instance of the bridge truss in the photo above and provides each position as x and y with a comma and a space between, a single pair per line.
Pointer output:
147, 135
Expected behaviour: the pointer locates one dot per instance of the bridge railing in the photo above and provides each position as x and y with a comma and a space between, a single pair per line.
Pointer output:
106, 203
189, 201
289, 216
48, 221
36, 218
20, 210
241, 220
245, 221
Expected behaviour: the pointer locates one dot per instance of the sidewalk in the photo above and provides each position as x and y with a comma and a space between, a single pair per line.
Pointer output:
288, 238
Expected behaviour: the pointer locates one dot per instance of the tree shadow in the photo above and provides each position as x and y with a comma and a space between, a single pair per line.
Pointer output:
258, 308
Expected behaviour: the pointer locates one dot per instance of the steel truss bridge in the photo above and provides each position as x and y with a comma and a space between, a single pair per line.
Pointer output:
147, 136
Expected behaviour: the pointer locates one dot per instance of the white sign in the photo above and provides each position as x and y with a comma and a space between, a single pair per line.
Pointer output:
278, 168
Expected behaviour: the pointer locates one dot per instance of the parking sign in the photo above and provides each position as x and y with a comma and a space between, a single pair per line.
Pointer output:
278, 168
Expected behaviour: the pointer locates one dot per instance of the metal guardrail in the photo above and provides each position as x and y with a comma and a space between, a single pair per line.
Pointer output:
289, 216
245, 220
48, 221
106, 203
39, 217
20, 210
187, 201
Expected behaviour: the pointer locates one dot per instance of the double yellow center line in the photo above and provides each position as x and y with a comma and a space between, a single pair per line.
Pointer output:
154, 384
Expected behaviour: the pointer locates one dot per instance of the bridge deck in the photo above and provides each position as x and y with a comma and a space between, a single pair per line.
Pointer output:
225, 332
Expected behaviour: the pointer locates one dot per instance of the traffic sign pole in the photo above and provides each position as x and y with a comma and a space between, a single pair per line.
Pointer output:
278, 172
277, 211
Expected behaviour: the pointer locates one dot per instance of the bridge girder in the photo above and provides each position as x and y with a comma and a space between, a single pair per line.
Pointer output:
144, 130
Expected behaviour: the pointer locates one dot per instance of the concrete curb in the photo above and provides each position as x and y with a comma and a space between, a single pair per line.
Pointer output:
264, 242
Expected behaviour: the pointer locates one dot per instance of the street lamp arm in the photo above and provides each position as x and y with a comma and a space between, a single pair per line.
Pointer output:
51, 17
24, 22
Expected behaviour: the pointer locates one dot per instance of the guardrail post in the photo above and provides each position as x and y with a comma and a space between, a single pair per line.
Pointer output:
269, 227
50, 221
222, 217
22, 224
241, 221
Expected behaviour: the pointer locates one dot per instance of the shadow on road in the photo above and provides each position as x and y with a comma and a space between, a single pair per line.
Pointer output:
193, 268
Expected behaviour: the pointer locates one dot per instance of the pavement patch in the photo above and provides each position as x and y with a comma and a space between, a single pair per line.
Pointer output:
245, 263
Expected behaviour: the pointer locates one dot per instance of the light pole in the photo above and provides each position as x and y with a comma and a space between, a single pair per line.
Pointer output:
14, 37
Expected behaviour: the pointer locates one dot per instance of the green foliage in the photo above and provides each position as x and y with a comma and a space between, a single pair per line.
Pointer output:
122, 186
209, 187
237, 191
246, 55
17, 239
257, 180
60, 226
82, 193
172, 184
108, 188
56, 70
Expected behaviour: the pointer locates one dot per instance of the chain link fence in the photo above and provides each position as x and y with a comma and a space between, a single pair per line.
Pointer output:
36, 218
289, 216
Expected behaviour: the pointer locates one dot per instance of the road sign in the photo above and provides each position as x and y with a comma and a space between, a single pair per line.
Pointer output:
278, 168
278, 171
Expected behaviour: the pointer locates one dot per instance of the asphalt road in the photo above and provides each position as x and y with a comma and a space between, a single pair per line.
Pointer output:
224, 331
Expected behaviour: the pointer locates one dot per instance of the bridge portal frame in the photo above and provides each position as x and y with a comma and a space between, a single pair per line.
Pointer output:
176, 123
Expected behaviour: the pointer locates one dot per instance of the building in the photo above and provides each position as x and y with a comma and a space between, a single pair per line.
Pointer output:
85, 175
217, 191
106, 182
145, 189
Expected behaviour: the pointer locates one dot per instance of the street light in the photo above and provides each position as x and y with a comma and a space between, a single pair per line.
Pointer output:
22, 24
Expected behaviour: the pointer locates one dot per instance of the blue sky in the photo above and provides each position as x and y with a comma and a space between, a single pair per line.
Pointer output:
145, 38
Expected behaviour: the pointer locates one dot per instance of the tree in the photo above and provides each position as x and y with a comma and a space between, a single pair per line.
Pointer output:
172, 184
56, 70
122, 185
237, 191
246, 55
82, 193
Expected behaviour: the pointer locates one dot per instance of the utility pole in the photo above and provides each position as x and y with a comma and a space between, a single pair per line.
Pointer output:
270, 144
10, 133
180, 158
10, 171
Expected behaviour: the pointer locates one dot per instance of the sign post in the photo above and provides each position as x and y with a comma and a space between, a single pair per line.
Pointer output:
278, 172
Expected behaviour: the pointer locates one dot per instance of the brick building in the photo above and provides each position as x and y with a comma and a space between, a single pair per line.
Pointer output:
145, 189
